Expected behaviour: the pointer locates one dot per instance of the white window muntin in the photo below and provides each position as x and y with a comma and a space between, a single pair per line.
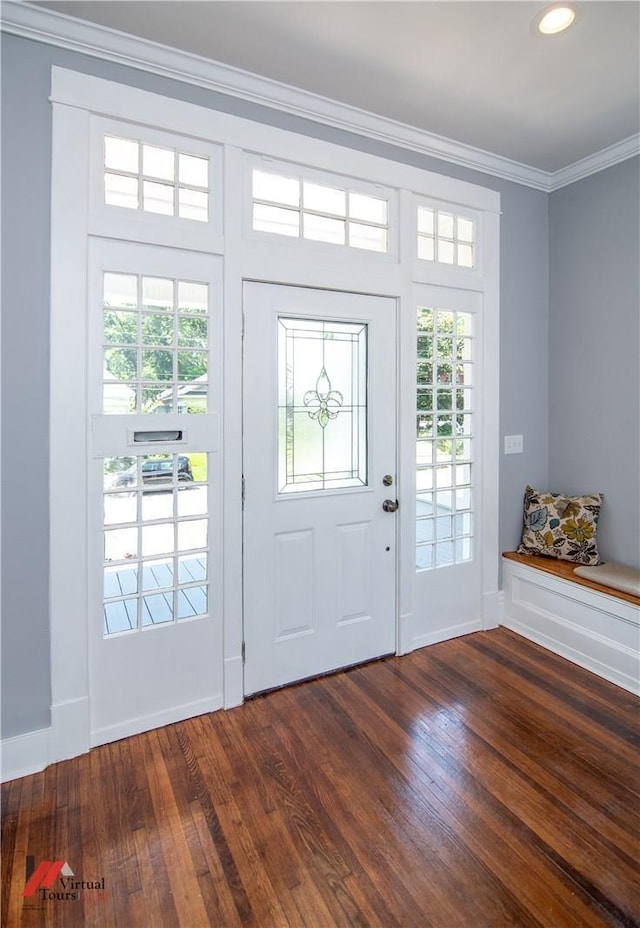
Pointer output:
447, 272
153, 225
156, 179
156, 333
351, 187
137, 260
446, 237
156, 523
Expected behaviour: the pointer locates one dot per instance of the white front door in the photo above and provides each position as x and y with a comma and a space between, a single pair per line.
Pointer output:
319, 453
154, 626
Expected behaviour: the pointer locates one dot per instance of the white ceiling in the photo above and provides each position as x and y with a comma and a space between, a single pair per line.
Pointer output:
474, 72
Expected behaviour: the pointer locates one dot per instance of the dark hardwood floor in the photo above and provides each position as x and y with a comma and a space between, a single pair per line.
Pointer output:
481, 782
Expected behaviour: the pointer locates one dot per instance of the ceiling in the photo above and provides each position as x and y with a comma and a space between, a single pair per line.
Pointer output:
474, 72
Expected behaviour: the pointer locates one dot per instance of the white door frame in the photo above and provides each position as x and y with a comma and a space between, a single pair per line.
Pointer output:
79, 103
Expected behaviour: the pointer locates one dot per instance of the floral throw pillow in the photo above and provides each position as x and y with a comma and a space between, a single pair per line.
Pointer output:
561, 526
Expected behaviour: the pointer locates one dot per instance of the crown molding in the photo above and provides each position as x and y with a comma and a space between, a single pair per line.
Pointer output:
53, 28
614, 154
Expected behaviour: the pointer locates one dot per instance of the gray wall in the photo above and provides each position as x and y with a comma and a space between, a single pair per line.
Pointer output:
26, 156
594, 414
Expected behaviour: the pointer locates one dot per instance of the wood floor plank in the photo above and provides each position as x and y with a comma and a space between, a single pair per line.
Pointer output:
609, 709
254, 892
577, 761
270, 814
155, 893
171, 838
558, 773
15, 796
477, 783
442, 786
419, 863
330, 861
580, 839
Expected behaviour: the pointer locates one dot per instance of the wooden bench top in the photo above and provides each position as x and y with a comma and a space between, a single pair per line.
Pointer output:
564, 570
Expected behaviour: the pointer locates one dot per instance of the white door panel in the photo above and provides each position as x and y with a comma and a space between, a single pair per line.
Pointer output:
319, 436
155, 635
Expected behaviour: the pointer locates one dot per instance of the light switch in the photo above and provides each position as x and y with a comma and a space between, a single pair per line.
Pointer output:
513, 444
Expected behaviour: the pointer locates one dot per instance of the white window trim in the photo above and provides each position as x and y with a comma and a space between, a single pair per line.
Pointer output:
118, 101
82, 102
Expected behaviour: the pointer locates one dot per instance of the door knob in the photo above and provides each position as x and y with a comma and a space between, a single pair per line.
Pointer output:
390, 505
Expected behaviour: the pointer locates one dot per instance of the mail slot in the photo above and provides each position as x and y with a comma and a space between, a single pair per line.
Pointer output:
157, 435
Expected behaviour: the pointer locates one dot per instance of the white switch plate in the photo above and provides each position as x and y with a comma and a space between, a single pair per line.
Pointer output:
513, 444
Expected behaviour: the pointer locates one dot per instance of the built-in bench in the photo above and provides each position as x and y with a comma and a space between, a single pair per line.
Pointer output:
592, 625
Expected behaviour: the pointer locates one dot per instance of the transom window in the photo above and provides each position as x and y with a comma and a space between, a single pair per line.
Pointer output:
301, 208
445, 366
155, 179
155, 540
446, 237
155, 344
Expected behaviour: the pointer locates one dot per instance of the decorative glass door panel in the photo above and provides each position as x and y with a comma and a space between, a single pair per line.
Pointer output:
322, 405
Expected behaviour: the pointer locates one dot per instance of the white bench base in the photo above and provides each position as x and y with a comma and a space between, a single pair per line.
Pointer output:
595, 630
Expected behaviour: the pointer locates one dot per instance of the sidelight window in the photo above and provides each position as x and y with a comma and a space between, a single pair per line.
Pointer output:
444, 438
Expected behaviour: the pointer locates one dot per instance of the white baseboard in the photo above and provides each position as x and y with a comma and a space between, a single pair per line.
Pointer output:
155, 720
443, 634
69, 729
594, 630
405, 644
233, 682
67, 737
491, 609
605, 669
25, 754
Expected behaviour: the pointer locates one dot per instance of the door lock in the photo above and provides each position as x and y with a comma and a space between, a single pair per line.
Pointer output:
390, 505
387, 480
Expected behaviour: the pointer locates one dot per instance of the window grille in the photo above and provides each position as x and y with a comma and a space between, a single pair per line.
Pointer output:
446, 237
156, 180
156, 563
444, 438
155, 336
302, 208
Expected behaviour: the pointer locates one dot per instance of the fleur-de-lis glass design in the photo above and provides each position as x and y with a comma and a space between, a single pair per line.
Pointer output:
323, 402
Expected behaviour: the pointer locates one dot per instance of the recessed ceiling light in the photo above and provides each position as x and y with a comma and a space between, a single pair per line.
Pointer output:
556, 19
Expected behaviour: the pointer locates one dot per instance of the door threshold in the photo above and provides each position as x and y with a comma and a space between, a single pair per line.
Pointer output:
321, 676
